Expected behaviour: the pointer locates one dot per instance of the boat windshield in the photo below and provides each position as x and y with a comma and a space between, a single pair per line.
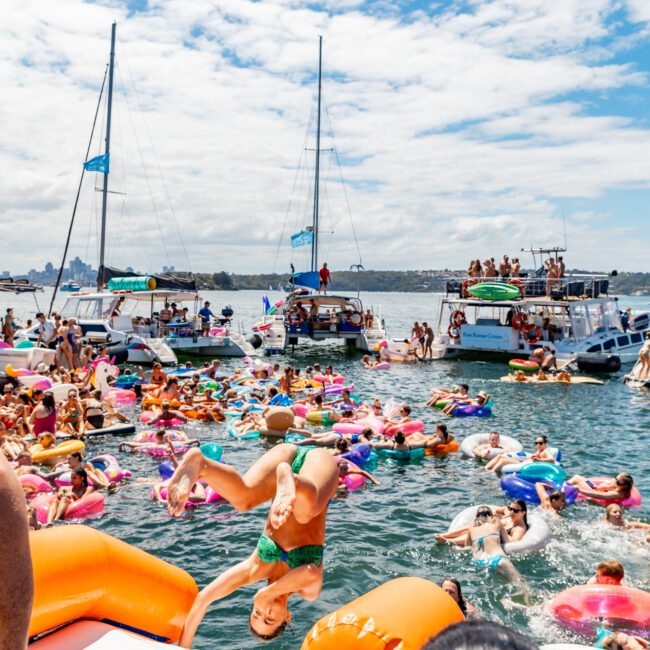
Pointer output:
89, 307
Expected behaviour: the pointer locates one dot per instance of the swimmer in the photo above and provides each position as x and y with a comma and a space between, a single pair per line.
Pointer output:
609, 572
346, 470
494, 442
165, 414
623, 641
397, 443
289, 553
618, 488
452, 587
541, 455
614, 516
551, 499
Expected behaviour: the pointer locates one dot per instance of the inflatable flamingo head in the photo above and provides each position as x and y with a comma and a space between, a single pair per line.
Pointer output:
103, 371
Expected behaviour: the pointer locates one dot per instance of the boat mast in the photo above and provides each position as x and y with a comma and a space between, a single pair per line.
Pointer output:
102, 243
314, 244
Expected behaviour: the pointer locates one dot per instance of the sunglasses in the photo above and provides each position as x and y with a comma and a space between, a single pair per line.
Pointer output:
514, 509
539, 442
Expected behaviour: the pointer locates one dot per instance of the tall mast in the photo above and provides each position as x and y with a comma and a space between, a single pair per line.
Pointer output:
102, 243
314, 246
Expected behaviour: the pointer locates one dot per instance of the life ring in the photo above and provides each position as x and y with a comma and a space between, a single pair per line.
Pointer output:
296, 319
532, 334
457, 318
463, 290
354, 319
516, 282
519, 320
453, 332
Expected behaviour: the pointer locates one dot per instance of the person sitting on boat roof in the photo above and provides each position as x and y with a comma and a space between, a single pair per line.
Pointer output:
205, 313
324, 278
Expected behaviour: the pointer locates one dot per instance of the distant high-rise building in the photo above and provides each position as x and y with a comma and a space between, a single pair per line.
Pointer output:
49, 268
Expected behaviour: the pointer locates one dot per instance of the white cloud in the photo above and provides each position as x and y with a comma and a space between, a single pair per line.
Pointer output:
458, 125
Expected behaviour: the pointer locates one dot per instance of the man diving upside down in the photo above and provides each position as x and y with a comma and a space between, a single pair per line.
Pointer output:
289, 553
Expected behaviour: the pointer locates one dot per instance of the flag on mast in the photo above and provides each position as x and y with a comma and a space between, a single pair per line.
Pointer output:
98, 164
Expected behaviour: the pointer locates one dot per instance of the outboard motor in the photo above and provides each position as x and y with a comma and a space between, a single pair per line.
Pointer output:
120, 353
256, 341
227, 312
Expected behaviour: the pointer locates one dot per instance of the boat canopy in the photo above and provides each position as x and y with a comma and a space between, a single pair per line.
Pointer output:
163, 280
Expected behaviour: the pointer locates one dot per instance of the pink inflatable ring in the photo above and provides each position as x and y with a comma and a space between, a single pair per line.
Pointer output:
632, 501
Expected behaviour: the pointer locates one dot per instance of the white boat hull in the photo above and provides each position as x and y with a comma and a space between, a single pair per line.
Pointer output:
28, 358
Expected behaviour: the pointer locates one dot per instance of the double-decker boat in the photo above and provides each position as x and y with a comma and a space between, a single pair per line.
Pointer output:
574, 316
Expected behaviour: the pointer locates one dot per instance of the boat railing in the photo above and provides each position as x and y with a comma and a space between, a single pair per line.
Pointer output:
532, 286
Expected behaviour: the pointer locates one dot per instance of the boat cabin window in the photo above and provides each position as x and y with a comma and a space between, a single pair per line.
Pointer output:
622, 341
581, 324
604, 316
595, 348
637, 337
608, 345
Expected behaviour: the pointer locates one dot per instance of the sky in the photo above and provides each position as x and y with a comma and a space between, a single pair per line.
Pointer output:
451, 130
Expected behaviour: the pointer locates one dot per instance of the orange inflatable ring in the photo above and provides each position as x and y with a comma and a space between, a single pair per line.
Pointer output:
82, 573
453, 332
442, 448
457, 318
519, 320
532, 334
403, 613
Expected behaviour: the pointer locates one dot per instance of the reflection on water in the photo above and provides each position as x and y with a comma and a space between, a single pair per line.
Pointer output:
383, 532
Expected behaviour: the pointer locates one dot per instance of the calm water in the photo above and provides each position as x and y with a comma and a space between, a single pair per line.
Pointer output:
383, 532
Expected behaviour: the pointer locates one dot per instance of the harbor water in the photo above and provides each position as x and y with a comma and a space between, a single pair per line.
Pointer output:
382, 532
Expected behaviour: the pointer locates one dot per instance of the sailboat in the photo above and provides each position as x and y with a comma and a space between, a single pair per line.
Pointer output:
125, 310
305, 313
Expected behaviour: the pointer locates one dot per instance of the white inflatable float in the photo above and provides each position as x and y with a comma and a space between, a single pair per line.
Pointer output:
536, 537
472, 442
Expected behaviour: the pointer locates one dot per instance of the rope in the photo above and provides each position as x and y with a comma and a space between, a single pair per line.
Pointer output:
76, 201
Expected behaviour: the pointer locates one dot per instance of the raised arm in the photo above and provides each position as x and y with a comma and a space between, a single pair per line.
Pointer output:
230, 580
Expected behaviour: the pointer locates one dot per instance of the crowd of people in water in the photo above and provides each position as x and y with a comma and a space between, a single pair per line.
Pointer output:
329, 441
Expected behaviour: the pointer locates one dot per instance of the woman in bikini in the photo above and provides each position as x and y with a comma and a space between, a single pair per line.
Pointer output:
71, 416
486, 535
289, 553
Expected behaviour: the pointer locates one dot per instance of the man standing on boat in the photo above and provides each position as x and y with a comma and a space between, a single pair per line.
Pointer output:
324, 275
205, 314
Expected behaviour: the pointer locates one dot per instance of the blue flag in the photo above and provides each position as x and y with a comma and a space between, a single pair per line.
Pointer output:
266, 304
97, 164
303, 238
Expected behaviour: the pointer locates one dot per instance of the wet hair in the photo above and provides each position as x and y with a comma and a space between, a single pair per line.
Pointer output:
543, 437
556, 495
479, 635
407, 408
524, 508
483, 515
610, 507
273, 391
80, 471
400, 438
268, 637
611, 569
347, 413
77, 455
465, 386
442, 427
342, 444
318, 399
626, 482
461, 601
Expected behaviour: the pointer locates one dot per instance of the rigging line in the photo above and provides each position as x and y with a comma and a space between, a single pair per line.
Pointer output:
293, 187
116, 240
155, 155
144, 169
76, 201
345, 191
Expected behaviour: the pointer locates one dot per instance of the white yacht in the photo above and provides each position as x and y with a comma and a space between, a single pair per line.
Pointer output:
332, 317
140, 330
578, 319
